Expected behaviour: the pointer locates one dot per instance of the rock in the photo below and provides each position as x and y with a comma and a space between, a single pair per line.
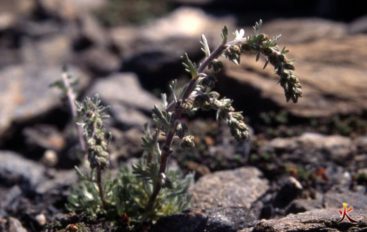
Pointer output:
7, 20
125, 144
44, 136
221, 201
358, 26
315, 220
10, 200
41, 219
88, 32
99, 61
235, 188
154, 51
14, 225
51, 50
290, 189
303, 205
304, 30
331, 71
69, 9
25, 93
128, 100
361, 144
228, 219
56, 181
357, 200
335, 147
15, 169
50, 158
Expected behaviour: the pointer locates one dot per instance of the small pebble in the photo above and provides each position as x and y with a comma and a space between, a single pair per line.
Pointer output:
50, 158
41, 219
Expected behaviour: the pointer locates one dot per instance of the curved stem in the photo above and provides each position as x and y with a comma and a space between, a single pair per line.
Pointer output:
177, 113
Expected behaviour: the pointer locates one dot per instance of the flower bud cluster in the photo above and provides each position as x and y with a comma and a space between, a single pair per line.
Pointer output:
262, 44
91, 116
206, 99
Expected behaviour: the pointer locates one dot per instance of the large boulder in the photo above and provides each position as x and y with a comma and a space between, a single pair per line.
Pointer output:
331, 70
154, 51
25, 93
129, 102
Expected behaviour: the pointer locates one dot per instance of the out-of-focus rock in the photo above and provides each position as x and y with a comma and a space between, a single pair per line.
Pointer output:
50, 158
315, 220
52, 50
14, 225
158, 46
125, 144
336, 147
25, 93
304, 30
7, 20
99, 61
57, 181
15, 169
70, 9
127, 99
333, 198
225, 199
332, 73
44, 136
216, 220
89, 32
235, 188
290, 189
358, 26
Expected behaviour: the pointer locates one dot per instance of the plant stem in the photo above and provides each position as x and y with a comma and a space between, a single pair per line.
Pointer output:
100, 187
72, 99
177, 113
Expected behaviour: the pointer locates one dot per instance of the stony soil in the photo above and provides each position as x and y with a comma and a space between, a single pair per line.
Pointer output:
302, 161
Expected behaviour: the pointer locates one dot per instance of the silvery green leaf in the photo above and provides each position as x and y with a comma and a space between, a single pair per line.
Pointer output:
257, 26
205, 46
224, 34
190, 67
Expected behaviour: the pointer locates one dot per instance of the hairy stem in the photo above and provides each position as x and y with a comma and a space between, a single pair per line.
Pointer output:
177, 113
100, 187
72, 99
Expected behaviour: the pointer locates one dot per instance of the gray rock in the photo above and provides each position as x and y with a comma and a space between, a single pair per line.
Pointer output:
25, 93
52, 50
236, 188
227, 198
70, 9
57, 181
15, 169
358, 26
154, 50
334, 199
291, 188
192, 222
336, 147
14, 225
315, 220
99, 61
89, 30
127, 99
220, 202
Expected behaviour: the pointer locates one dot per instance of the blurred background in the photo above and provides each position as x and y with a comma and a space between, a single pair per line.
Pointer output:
128, 51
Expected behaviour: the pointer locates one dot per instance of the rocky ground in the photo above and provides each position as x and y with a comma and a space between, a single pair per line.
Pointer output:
302, 162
